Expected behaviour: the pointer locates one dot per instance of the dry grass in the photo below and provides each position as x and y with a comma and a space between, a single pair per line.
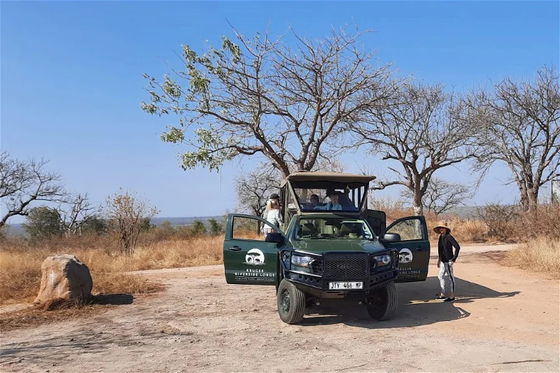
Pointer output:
32, 317
539, 255
20, 260
20, 263
464, 230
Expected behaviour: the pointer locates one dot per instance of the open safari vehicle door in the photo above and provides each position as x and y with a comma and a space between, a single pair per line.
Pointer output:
249, 257
410, 236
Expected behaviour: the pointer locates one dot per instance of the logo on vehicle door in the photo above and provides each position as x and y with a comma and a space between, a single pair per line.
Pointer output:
405, 256
254, 257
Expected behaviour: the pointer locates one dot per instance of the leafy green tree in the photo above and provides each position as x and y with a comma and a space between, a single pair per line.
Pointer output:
198, 228
95, 224
216, 228
44, 222
256, 96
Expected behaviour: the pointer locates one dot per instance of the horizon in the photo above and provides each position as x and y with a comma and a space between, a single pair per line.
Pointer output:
72, 81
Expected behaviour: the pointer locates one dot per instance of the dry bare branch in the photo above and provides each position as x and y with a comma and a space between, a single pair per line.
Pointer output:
24, 183
518, 124
261, 97
416, 127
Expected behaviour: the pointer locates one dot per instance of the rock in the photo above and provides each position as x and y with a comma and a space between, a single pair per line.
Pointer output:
64, 279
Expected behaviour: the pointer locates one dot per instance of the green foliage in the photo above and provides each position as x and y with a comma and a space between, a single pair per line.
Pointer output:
253, 96
232, 48
198, 228
211, 147
173, 135
205, 154
216, 228
95, 224
171, 88
43, 222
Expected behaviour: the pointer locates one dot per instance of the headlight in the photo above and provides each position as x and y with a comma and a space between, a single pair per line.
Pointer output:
302, 261
383, 260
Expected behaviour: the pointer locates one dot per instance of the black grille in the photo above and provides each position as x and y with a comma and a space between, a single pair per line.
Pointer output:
317, 266
345, 266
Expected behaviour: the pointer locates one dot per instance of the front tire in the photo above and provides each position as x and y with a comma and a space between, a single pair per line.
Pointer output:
382, 303
291, 302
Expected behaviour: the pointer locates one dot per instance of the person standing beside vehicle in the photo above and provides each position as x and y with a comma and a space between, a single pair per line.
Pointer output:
446, 260
272, 214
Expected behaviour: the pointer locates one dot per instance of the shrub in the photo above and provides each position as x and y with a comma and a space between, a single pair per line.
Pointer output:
43, 222
543, 221
216, 228
198, 228
129, 216
501, 221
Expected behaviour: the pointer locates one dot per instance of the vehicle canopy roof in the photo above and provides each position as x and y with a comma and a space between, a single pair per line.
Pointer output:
327, 176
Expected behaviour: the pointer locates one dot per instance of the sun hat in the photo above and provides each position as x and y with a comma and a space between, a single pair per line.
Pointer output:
442, 225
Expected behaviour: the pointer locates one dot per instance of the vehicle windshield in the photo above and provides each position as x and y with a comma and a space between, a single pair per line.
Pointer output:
329, 196
333, 227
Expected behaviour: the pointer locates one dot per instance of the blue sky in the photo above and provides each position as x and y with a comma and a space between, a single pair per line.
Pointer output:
71, 79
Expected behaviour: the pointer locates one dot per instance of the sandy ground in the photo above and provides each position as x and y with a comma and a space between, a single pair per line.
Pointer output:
505, 319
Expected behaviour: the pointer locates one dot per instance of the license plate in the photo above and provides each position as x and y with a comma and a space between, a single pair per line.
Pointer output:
346, 285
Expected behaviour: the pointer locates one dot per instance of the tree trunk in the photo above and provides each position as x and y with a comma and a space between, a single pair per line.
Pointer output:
417, 203
523, 198
533, 198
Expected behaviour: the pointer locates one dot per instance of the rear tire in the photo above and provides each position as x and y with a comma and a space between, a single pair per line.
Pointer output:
382, 303
291, 302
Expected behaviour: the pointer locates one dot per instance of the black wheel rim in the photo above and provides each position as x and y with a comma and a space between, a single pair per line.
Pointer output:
285, 301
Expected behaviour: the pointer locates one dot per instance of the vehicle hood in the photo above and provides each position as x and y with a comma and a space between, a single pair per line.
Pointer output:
319, 246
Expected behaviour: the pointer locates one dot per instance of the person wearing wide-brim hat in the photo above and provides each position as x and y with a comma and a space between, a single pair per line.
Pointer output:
446, 259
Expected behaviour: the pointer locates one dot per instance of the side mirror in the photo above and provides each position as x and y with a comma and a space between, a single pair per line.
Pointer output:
391, 237
275, 237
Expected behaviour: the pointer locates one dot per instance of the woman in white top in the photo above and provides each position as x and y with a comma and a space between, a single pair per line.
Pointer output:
272, 215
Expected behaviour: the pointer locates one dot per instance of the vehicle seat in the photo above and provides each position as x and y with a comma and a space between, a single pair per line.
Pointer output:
351, 230
308, 229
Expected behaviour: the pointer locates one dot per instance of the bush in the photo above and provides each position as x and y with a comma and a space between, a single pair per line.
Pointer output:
43, 223
501, 220
216, 228
544, 221
198, 228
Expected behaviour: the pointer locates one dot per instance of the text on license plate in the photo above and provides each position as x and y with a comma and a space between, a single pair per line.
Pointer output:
344, 285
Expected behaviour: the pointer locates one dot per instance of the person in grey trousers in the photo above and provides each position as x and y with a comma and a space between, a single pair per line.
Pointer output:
446, 260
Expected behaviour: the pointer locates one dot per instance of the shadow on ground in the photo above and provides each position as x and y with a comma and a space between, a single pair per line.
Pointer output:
114, 299
417, 306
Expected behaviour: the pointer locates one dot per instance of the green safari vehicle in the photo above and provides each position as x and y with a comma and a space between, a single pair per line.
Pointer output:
330, 246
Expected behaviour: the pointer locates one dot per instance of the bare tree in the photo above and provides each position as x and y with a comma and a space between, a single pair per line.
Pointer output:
442, 196
254, 188
415, 127
77, 212
23, 183
128, 215
262, 97
518, 125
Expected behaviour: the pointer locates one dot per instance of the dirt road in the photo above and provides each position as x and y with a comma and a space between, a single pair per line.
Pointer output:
505, 319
